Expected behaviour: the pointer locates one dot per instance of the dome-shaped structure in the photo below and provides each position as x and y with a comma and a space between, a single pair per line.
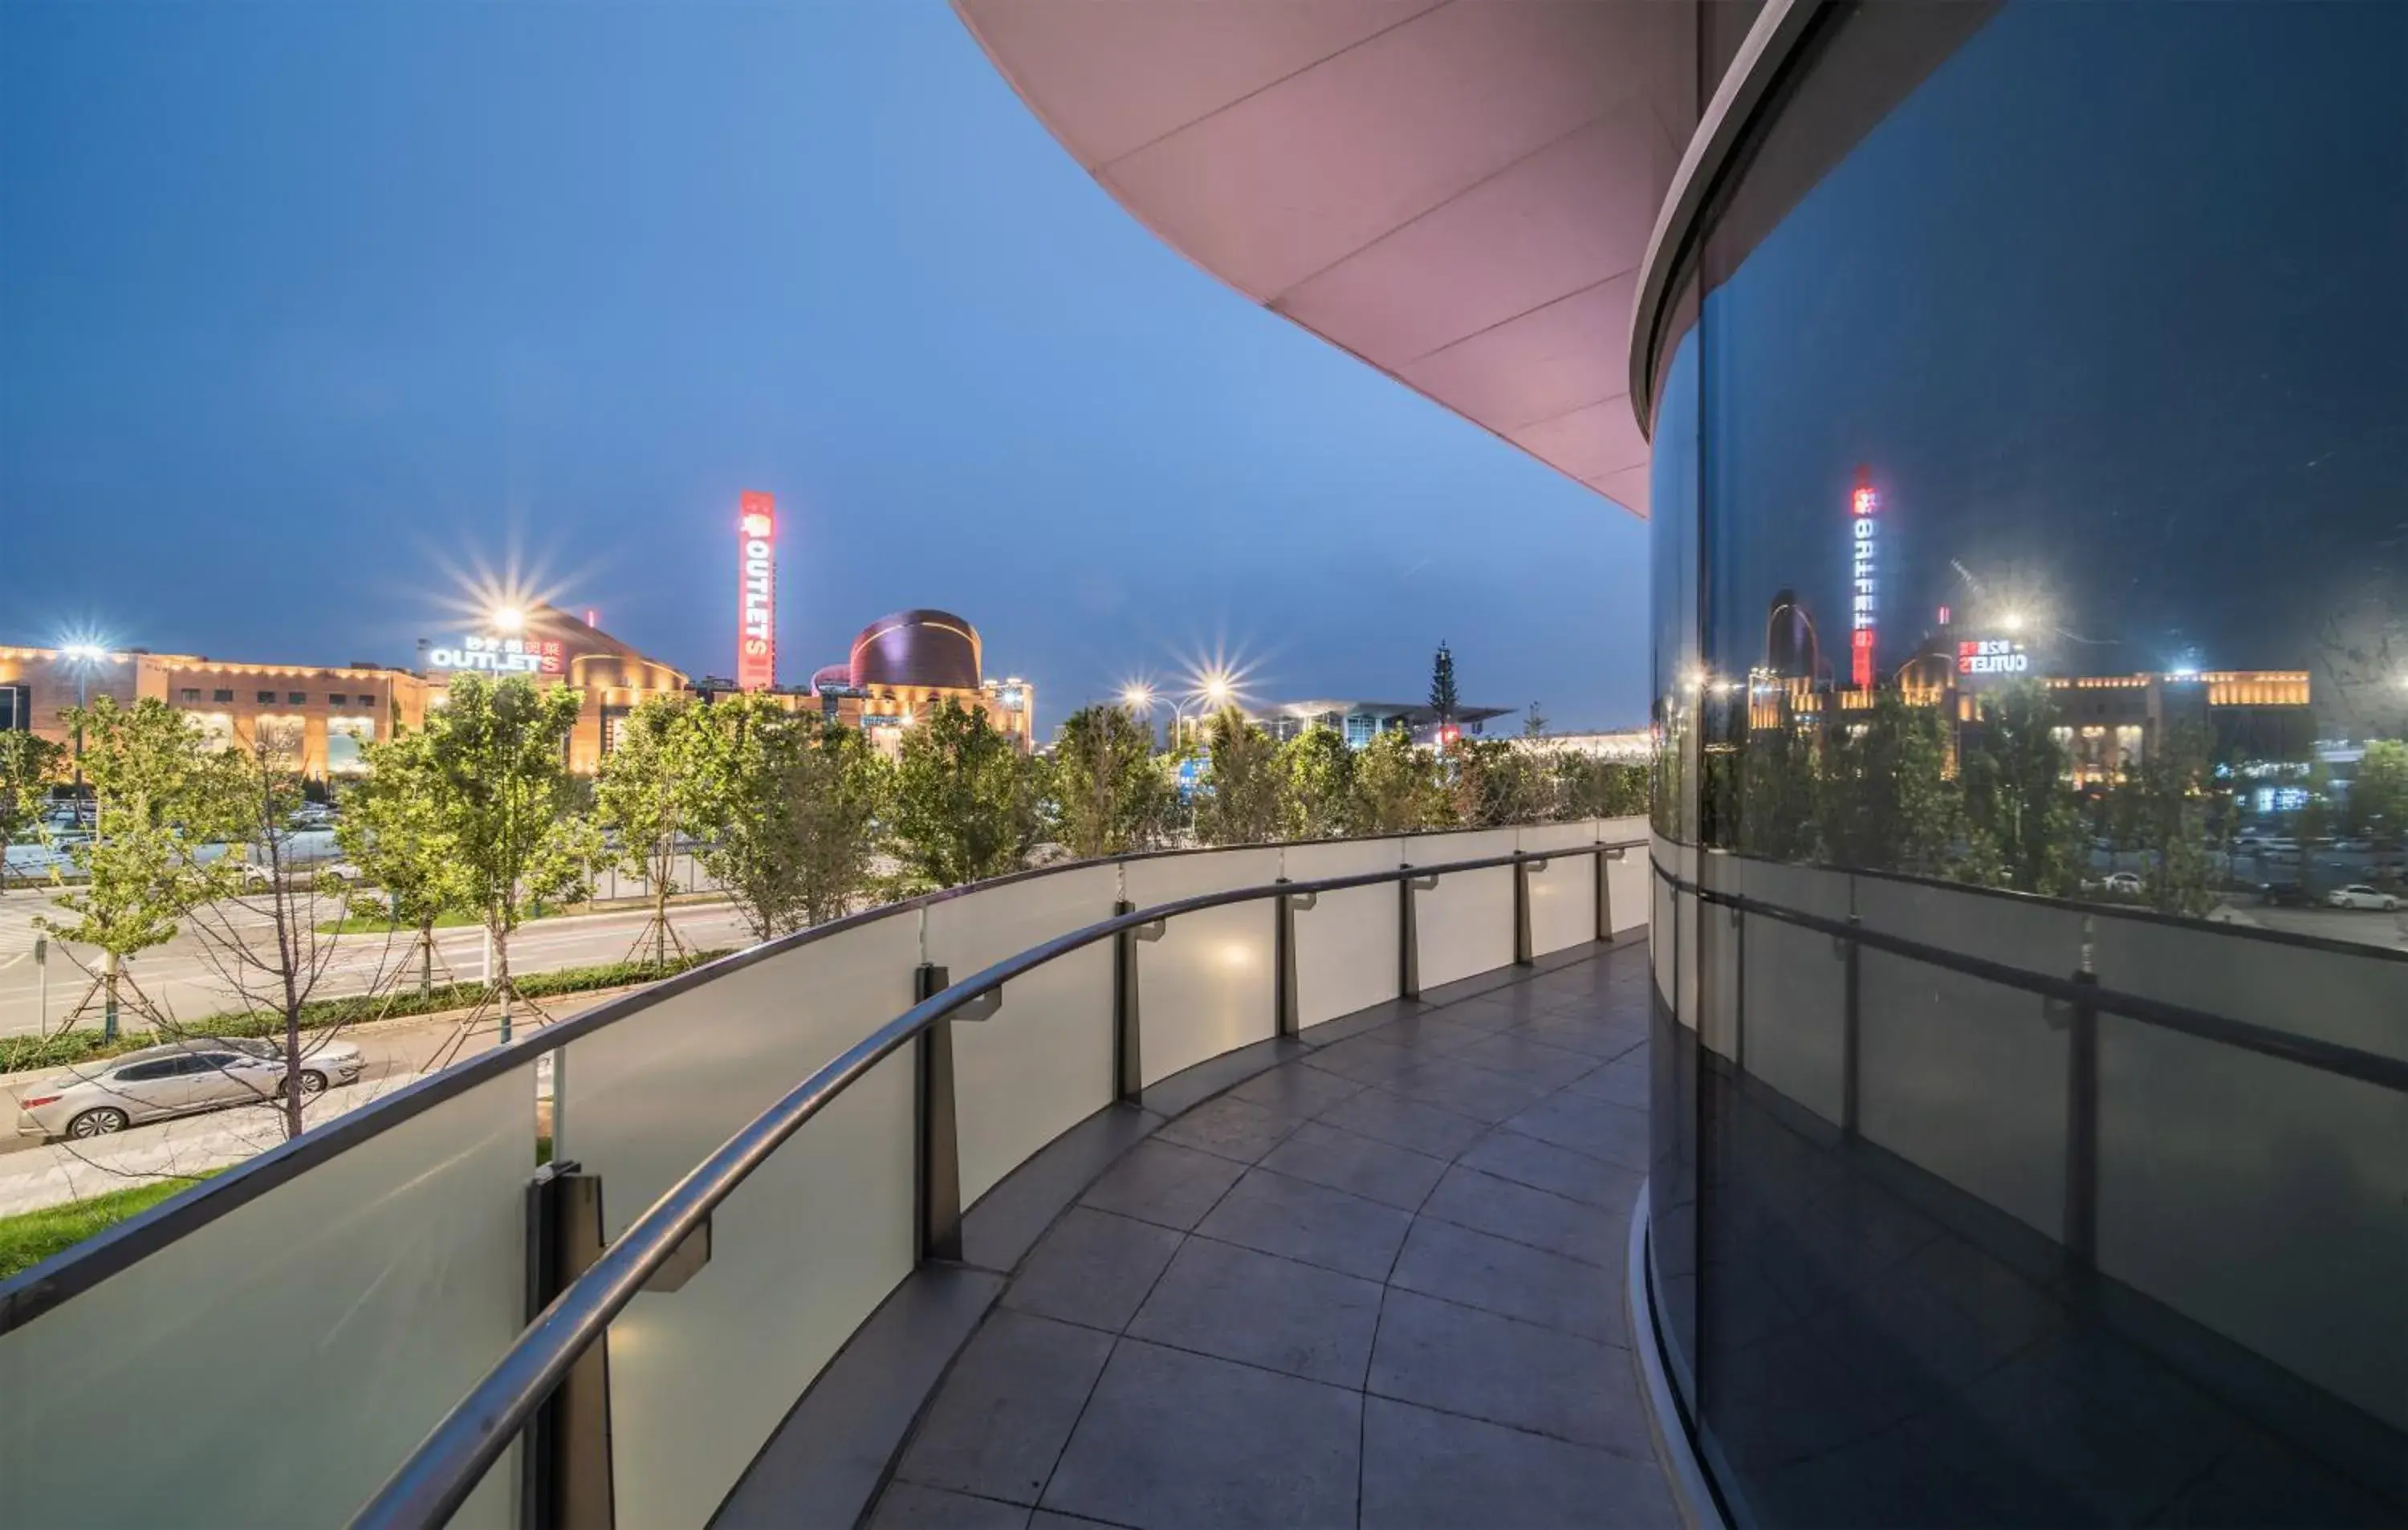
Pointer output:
832, 677
917, 648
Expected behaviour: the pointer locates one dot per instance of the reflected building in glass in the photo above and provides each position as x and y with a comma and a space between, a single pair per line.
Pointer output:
2025, 386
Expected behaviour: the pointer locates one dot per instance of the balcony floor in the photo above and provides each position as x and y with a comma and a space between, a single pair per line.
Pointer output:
1377, 1286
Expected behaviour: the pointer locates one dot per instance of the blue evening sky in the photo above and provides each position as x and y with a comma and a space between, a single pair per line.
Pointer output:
309, 312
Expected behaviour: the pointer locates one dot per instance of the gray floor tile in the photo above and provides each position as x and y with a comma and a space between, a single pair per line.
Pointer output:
907, 1506
1466, 1091
1601, 1038
1342, 1160
1231, 1127
1295, 1090
1526, 1160
1045, 1519
1366, 1059
1273, 1213
1165, 1183
1621, 1082
1526, 1057
1439, 1032
1614, 1133
1092, 1267
1524, 1001
1000, 1419
1465, 1361
1176, 1440
1590, 1234
1424, 1470
1222, 1300
1512, 1278
1406, 1124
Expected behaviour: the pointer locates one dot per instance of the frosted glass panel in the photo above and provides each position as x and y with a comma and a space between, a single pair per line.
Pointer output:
2358, 1001
1797, 986
1629, 888
1563, 897
2263, 1199
191, 1388
1345, 944
815, 1239
1967, 1079
1044, 1063
1718, 942
1466, 923
1205, 987
1664, 937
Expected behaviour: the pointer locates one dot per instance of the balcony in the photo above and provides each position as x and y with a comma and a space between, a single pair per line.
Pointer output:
1255, 1185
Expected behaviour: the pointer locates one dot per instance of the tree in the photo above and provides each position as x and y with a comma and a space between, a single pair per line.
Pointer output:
393, 830
830, 797
1588, 787
2171, 796
1397, 787
1534, 723
1493, 785
1777, 792
2021, 818
966, 803
2378, 794
1884, 802
502, 799
262, 923
1441, 692
1110, 796
158, 794
744, 745
28, 764
1240, 805
1316, 774
643, 796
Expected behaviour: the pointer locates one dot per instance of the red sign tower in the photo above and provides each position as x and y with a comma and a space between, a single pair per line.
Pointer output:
756, 593
1863, 601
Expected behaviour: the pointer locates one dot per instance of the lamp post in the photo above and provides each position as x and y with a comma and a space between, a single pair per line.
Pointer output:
83, 656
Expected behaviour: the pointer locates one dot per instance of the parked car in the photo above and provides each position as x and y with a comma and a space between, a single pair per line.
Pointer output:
176, 1079
2126, 882
2359, 896
2287, 895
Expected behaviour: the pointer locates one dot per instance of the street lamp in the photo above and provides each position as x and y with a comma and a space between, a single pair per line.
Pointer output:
509, 619
83, 656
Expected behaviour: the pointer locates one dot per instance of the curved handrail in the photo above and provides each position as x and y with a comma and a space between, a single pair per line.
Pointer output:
31, 1293
2332, 1057
447, 1466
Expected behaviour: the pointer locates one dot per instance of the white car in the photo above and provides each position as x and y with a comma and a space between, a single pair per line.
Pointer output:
176, 1079
2359, 896
2126, 882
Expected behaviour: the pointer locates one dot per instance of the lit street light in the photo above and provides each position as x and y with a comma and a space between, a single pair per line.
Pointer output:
83, 655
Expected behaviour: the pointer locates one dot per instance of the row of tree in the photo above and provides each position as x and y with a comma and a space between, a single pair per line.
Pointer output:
1879, 791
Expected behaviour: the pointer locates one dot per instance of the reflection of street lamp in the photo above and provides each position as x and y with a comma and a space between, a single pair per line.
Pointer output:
509, 619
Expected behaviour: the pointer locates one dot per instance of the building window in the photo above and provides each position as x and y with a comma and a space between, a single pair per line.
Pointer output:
267, 698
221, 695
16, 709
191, 693
297, 698
336, 698
346, 740
215, 728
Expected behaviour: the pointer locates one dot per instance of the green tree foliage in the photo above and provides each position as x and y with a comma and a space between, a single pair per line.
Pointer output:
1442, 698
1884, 802
1396, 786
1316, 785
1110, 793
2378, 794
159, 795
1778, 780
28, 764
392, 830
1534, 723
2171, 792
502, 799
743, 747
643, 796
836, 791
1491, 784
2023, 825
967, 802
1240, 805
1588, 787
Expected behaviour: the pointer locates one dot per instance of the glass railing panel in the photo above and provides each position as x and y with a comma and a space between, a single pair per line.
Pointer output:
802, 1254
1466, 923
1346, 943
1044, 1063
2228, 1181
1718, 958
1563, 896
1797, 986
1205, 987
193, 1387
1664, 933
2325, 990
1628, 883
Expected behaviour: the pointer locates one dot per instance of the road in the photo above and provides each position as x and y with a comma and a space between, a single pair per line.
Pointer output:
184, 981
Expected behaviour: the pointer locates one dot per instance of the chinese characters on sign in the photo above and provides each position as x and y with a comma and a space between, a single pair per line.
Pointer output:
757, 644
1861, 589
1992, 656
501, 656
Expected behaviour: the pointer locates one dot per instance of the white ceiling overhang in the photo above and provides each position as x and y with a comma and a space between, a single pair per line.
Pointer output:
1459, 192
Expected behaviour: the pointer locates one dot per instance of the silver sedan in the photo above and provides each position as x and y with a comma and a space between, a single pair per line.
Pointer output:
179, 1078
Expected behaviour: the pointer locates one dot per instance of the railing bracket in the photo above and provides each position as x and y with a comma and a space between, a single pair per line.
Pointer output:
1154, 931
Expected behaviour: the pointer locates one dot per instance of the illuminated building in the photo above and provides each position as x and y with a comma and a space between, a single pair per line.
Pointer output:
548, 646
1360, 721
332, 710
1863, 594
904, 666
757, 591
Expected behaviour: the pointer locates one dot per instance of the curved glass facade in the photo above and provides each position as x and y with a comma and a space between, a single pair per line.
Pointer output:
2031, 551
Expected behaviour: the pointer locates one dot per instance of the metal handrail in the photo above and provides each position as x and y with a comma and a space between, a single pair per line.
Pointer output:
447, 1466
2325, 1056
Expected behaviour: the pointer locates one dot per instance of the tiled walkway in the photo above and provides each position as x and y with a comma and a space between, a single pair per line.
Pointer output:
1378, 1286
